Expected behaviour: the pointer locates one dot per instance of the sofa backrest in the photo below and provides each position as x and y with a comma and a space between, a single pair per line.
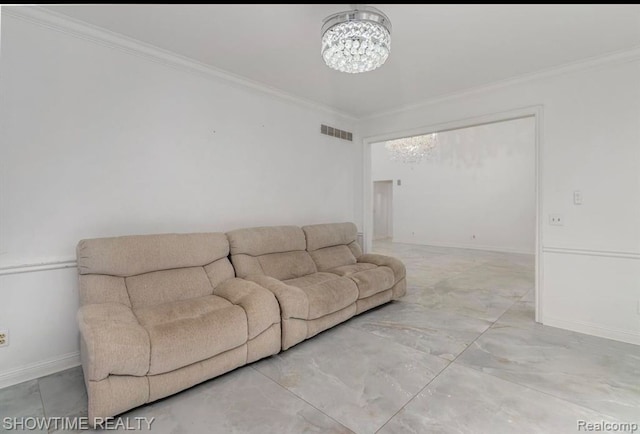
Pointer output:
332, 245
276, 251
146, 270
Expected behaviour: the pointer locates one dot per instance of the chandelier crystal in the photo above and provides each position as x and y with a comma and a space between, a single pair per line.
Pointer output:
412, 150
356, 41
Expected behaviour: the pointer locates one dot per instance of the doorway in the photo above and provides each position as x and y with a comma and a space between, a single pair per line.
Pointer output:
382, 210
534, 112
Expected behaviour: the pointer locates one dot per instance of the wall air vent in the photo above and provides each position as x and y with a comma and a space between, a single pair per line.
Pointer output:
334, 132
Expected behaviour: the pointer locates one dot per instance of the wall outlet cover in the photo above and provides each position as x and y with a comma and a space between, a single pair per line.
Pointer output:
4, 338
556, 220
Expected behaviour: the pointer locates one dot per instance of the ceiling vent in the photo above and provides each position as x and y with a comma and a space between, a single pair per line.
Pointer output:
334, 132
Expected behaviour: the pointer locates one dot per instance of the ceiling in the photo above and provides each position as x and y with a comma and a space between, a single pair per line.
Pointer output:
435, 50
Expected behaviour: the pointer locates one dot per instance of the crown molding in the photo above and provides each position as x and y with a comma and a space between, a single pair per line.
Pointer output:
621, 56
101, 36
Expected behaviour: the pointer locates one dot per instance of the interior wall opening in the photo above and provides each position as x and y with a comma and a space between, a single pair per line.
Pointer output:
465, 210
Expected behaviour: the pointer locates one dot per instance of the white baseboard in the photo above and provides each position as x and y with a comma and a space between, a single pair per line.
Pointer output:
467, 246
594, 330
39, 369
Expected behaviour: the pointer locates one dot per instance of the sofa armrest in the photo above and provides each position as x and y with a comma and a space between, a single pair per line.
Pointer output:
396, 265
113, 341
293, 301
259, 303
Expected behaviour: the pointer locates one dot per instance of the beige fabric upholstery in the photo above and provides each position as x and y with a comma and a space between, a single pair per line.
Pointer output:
333, 257
266, 343
327, 235
166, 384
158, 287
373, 281
399, 270
355, 248
261, 306
268, 239
365, 304
326, 293
399, 289
188, 331
246, 265
293, 301
163, 312
287, 265
295, 330
335, 250
138, 254
114, 395
99, 288
347, 270
275, 251
277, 259
115, 341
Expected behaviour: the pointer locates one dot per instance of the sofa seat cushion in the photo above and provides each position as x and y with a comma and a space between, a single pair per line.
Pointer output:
373, 281
188, 331
326, 293
347, 270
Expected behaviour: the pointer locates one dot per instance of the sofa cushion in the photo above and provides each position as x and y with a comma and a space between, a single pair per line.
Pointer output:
326, 293
327, 235
399, 270
332, 257
347, 270
287, 265
275, 251
188, 331
267, 239
168, 285
138, 254
373, 281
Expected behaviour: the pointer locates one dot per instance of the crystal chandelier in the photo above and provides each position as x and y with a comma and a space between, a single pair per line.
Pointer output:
356, 41
412, 149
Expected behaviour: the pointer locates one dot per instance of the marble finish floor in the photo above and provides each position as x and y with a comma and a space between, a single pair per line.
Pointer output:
460, 353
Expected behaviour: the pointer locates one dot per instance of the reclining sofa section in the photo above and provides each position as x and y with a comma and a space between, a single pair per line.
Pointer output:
318, 274
161, 313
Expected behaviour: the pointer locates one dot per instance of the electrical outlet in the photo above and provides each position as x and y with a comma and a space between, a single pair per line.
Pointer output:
4, 338
556, 220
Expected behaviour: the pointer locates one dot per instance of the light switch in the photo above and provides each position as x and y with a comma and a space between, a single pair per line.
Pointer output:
577, 197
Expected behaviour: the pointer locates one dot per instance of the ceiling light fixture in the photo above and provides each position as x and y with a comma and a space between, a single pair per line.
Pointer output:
356, 41
412, 150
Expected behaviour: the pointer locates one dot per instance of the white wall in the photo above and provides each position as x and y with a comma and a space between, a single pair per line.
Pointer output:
477, 189
590, 142
98, 142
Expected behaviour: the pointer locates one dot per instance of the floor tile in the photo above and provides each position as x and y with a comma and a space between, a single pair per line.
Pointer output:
64, 394
596, 373
357, 378
462, 400
521, 314
483, 304
498, 280
242, 401
20, 402
432, 331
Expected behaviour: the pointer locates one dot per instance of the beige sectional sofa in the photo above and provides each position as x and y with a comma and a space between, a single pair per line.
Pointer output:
161, 313
318, 274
